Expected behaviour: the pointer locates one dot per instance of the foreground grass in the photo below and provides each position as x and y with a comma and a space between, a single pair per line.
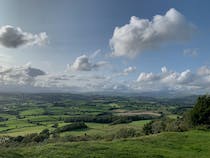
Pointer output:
192, 144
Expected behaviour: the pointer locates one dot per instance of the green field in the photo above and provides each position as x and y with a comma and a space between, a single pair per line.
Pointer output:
31, 113
114, 127
192, 144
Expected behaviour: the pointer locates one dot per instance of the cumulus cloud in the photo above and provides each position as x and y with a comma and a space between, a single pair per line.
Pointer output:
146, 77
22, 75
172, 80
82, 63
203, 71
13, 37
142, 34
32, 79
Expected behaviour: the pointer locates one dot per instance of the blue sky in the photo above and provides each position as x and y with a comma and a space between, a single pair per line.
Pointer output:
77, 29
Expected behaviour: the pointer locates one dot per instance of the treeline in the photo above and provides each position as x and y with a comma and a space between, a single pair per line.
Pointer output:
2, 119
71, 127
53, 136
109, 118
47, 137
33, 137
45, 134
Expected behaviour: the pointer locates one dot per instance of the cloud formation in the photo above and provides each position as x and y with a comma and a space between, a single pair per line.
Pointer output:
167, 80
32, 79
82, 63
22, 75
14, 37
129, 69
171, 80
142, 34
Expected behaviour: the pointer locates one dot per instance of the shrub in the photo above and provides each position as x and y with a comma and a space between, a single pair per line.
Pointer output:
126, 132
39, 138
34, 137
167, 124
147, 129
18, 139
72, 126
44, 134
55, 125
2, 119
29, 138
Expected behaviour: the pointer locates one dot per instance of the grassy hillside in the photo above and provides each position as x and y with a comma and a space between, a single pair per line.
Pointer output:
191, 144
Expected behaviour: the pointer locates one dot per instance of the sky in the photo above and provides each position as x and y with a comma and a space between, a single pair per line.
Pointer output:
105, 45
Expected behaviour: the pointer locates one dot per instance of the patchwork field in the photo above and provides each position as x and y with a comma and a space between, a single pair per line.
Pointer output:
48, 125
23, 114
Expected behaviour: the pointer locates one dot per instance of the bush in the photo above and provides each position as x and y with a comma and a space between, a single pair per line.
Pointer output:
147, 129
39, 138
45, 132
2, 119
125, 133
18, 139
55, 125
29, 138
167, 124
33, 137
72, 126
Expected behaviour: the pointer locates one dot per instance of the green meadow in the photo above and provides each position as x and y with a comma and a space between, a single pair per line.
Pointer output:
192, 144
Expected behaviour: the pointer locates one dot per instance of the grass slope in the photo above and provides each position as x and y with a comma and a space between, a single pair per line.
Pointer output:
190, 144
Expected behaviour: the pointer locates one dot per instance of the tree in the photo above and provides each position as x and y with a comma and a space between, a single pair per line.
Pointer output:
71, 127
147, 129
200, 114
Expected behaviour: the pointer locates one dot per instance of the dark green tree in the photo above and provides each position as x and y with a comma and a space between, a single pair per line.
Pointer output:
200, 114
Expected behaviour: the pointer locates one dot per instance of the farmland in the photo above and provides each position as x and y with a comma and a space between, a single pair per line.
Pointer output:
28, 113
108, 125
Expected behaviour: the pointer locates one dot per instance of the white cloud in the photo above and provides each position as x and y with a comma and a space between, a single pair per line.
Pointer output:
82, 63
95, 54
163, 69
190, 52
32, 79
124, 72
147, 77
142, 34
203, 71
185, 77
73, 83
171, 80
22, 75
13, 37
129, 69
